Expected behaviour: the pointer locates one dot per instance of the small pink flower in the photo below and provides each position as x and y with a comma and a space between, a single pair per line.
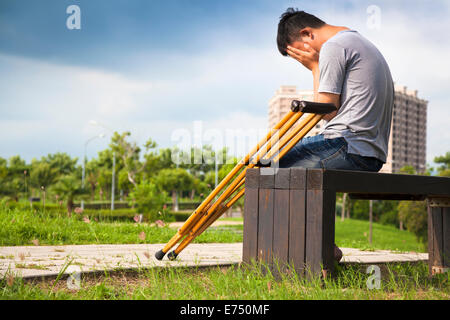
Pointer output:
86, 219
159, 223
165, 207
78, 210
142, 235
35, 242
136, 218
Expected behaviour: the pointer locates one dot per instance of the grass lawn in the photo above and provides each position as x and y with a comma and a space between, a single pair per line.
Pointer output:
404, 281
23, 227
355, 234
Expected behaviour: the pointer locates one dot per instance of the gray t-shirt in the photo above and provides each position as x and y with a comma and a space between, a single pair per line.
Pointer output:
352, 66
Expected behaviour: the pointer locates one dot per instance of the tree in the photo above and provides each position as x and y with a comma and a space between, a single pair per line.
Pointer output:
123, 182
413, 214
129, 153
199, 187
42, 174
5, 183
408, 169
104, 180
13, 178
61, 162
149, 199
444, 169
92, 176
174, 181
360, 209
69, 188
3, 169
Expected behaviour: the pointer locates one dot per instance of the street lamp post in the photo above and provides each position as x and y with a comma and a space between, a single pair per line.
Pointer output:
113, 180
101, 135
215, 171
95, 123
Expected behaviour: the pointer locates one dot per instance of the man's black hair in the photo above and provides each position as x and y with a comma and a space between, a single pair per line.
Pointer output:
291, 22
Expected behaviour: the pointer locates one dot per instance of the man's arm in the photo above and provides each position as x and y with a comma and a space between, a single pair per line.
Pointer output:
324, 97
310, 59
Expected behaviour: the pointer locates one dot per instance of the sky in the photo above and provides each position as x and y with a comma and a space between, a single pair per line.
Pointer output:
188, 72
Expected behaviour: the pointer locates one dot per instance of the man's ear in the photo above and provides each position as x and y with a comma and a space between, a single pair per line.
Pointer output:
306, 35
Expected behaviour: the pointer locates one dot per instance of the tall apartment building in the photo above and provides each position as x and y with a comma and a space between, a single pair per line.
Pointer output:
408, 137
407, 141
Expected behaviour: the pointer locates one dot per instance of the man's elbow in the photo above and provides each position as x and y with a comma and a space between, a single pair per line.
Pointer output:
325, 97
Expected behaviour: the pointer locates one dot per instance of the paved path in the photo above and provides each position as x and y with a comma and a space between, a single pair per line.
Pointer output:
36, 261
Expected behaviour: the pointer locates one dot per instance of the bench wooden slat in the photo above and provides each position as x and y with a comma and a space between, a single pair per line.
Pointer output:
385, 183
446, 235
430, 239
265, 219
297, 219
281, 218
436, 237
250, 237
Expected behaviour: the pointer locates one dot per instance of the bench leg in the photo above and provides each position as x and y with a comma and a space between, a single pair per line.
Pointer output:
438, 239
320, 224
250, 241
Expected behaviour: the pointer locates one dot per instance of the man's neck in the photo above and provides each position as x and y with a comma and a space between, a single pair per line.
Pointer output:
328, 31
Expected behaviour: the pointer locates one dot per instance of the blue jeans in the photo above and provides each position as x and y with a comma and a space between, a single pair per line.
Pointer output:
318, 152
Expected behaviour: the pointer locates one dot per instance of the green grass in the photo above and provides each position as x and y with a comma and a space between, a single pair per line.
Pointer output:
21, 227
355, 234
404, 281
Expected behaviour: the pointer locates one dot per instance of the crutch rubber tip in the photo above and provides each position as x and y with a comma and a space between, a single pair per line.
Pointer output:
160, 254
172, 256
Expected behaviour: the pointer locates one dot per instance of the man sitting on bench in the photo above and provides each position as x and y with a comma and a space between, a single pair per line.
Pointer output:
351, 73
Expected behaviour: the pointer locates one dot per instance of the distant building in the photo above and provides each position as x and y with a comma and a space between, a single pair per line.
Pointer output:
280, 104
408, 138
407, 141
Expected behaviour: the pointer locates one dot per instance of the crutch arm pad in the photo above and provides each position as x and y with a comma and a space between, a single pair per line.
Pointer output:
312, 107
261, 164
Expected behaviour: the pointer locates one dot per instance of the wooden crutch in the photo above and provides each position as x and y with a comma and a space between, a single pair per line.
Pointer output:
285, 123
212, 213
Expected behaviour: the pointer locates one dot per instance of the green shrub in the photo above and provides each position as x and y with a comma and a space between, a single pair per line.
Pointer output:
414, 216
180, 216
150, 199
389, 218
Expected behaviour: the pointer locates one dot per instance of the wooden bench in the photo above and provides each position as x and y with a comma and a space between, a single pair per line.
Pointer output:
289, 214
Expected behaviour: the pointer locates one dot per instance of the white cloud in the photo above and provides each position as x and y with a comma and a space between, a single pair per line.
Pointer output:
227, 86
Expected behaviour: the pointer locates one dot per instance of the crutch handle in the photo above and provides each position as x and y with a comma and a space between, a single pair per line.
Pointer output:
312, 107
262, 163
